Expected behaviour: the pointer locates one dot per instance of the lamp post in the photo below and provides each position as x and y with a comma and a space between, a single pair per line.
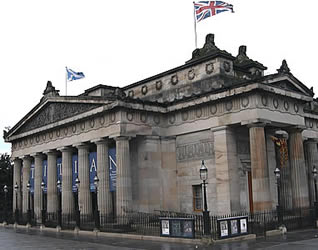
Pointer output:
206, 217
315, 174
5, 190
43, 208
278, 208
29, 200
59, 211
16, 213
96, 213
77, 212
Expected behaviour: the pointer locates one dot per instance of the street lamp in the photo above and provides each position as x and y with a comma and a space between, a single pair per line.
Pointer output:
77, 212
16, 188
96, 214
314, 173
43, 208
29, 200
59, 211
278, 209
5, 189
206, 217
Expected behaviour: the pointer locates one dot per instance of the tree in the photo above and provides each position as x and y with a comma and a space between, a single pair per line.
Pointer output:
6, 171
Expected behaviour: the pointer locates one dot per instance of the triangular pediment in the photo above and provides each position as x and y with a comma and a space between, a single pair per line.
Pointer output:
51, 112
291, 83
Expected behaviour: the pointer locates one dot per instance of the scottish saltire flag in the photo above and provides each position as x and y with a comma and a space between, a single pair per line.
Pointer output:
204, 9
72, 75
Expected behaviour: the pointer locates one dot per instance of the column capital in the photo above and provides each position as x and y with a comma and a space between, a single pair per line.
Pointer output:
50, 152
296, 128
311, 140
81, 145
122, 138
66, 149
26, 157
16, 159
100, 141
38, 155
256, 123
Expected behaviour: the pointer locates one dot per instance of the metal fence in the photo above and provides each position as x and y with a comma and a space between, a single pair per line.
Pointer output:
149, 223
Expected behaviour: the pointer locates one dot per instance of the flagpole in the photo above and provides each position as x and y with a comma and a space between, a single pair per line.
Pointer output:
66, 82
195, 27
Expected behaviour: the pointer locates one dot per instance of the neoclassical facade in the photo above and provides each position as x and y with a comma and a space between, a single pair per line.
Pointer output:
145, 141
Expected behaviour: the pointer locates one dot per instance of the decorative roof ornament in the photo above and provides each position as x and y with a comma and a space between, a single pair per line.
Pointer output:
283, 68
244, 62
241, 57
209, 50
50, 90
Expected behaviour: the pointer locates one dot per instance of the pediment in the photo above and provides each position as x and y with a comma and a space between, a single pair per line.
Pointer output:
291, 83
53, 112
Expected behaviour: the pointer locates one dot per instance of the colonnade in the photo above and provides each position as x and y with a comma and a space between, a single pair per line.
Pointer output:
298, 181
105, 206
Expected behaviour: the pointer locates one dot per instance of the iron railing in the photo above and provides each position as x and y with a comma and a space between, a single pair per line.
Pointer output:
149, 223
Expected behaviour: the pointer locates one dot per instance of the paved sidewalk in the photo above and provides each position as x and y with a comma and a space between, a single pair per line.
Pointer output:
48, 239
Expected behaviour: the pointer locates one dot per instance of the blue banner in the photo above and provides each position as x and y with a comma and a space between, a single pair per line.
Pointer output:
112, 169
59, 170
74, 171
92, 170
32, 178
44, 174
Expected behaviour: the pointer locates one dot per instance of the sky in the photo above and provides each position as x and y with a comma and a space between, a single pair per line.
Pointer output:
119, 43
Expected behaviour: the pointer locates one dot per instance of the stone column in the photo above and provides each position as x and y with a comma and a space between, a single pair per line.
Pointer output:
260, 179
26, 178
298, 171
38, 165
51, 182
311, 157
123, 181
103, 196
85, 198
67, 194
17, 180
227, 178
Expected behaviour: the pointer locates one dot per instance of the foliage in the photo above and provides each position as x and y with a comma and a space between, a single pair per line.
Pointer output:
6, 171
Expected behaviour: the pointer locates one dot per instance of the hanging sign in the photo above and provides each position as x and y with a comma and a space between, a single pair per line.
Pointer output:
74, 172
32, 178
44, 175
92, 170
112, 169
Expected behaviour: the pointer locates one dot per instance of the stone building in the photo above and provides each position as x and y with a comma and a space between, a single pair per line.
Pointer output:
145, 141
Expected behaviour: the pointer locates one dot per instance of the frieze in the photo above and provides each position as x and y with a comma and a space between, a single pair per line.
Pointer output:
54, 112
194, 151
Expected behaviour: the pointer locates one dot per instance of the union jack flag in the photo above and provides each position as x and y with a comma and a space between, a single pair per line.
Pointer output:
204, 9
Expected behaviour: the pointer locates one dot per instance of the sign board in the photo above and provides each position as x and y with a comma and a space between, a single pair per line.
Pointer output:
231, 227
177, 227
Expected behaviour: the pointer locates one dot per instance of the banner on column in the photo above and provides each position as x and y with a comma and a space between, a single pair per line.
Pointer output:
32, 178
92, 170
74, 172
112, 169
93, 164
44, 174
59, 170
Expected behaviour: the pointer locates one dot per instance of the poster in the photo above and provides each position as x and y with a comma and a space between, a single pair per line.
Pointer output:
187, 229
165, 227
224, 229
234, 227
243, 224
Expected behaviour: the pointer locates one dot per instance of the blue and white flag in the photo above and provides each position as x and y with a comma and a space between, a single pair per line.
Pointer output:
72, 75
